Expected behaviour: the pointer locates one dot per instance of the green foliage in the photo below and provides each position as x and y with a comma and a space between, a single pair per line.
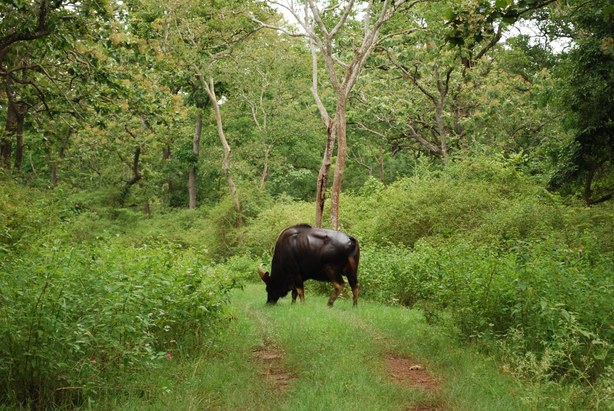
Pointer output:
72, 316
259, 238
501, 258
557, 298
24, 214
435, 203
587, 162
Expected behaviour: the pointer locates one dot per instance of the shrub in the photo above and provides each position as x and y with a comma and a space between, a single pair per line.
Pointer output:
72, 315
24, 215
557, 298
259, 237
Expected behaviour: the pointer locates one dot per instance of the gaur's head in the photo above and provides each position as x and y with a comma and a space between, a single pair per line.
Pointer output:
273, 293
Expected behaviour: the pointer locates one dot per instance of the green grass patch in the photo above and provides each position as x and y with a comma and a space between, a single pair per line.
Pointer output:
331, 359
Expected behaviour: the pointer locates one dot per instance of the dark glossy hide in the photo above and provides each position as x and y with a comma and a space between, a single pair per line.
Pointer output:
303, 253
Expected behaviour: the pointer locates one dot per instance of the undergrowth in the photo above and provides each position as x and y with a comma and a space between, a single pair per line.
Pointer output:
91, 293
72, 316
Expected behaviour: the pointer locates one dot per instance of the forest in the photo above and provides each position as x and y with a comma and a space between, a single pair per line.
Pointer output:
151, 153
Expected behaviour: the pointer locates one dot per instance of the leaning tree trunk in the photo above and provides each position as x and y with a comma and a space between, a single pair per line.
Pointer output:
210, 89
134, 167
136, 176
196, 150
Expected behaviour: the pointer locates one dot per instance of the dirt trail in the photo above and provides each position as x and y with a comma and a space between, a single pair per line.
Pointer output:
408, 371
281, 330
270, 361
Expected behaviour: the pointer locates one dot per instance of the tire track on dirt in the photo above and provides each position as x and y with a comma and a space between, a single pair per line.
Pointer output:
269, 355
401, 369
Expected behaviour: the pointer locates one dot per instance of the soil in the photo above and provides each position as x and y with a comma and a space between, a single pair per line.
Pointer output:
408, 371
272, 367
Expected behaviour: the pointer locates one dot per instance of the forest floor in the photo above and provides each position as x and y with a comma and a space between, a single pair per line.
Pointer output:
312, 357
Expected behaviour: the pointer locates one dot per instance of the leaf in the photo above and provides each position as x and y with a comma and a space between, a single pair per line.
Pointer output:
600, 354
449, 14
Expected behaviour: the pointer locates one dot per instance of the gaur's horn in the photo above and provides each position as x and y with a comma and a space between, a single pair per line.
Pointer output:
263, 274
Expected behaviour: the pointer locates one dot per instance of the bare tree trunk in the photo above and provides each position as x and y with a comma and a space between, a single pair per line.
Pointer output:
196, 149
265, 169
210, 88
323, 174
335, 196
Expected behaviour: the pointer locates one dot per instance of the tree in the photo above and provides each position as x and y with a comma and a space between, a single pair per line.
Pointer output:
437, 82
198, 36
326, 27
32, 37
588, 96
274, 115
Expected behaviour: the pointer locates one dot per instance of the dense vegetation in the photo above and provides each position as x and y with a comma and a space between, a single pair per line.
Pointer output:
479, 179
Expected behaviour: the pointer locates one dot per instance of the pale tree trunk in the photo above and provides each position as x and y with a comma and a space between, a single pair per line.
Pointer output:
192, 192
265, 168
331, 130
323, 174
234, 195
335, 194
260, 117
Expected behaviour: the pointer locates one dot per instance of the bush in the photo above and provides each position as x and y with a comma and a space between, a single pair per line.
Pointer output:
557, 298
259, 238
70, 316
24, 215
454, 200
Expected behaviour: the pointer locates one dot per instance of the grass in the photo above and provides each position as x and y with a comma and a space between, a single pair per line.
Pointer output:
311, 357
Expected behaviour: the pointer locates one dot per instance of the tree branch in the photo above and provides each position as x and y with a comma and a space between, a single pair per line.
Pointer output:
42, 28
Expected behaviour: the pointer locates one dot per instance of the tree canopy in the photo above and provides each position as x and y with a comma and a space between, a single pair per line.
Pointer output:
109, 95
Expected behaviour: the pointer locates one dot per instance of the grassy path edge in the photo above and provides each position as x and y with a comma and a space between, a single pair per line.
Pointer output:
312, 357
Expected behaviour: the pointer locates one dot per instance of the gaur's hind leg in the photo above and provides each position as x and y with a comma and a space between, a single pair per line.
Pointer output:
355, 286
351, 272
301, 293
294, 294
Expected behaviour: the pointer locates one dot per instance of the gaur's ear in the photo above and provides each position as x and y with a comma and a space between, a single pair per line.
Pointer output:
264, 275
